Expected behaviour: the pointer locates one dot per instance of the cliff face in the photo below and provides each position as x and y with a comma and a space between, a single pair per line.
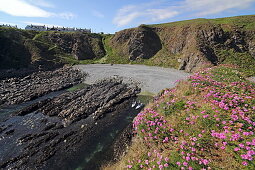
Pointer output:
31, 49
140, 43
193, 44
81, 45
185, 45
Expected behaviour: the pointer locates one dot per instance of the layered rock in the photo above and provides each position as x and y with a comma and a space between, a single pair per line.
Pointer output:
21, 89
95, 99
50, 133
81, 45
192, 44
46, 50
140, 43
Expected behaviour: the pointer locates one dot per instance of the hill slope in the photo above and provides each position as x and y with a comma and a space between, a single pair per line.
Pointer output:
185, 45
205, 122
21, 48
190, 44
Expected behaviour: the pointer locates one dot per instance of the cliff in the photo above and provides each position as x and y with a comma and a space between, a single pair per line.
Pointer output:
185, 45
32, 49
190, 44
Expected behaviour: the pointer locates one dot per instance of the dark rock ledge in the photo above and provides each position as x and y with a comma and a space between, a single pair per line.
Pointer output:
21, 89
50, 134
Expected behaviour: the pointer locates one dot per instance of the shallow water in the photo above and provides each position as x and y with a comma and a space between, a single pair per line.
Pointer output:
5, 111
96, 147
99, 149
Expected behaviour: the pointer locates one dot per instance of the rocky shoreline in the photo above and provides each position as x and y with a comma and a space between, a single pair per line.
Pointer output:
20, 89
50, 134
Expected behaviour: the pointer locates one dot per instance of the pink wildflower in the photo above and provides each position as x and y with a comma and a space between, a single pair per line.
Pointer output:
185, 163
236, 149
244, 163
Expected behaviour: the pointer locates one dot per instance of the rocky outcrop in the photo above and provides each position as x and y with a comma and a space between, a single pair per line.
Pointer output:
122, 142
18, 90
140, 43
96, 100
187, 45
81, 45
46, 50
52, 133
13, 53
193, 44
251, 47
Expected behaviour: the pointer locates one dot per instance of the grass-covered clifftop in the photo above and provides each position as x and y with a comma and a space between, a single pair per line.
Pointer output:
22, 48
186, 45
206, 122
189, 44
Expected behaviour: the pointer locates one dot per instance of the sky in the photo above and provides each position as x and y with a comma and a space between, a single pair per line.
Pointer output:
110, 16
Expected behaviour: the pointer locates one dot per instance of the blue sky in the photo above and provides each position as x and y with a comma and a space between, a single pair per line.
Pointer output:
110, 16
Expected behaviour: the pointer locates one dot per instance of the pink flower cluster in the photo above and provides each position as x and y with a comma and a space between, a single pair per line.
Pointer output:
228, 123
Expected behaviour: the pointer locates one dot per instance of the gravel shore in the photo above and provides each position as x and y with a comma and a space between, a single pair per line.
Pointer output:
150, 79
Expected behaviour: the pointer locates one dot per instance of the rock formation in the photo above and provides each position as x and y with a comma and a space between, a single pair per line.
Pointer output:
50, 134
141, 43
18, 90
193, 43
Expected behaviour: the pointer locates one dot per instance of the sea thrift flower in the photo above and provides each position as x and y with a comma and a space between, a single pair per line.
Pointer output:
185, 164
146, 162
222, 147
236, 149
244, 163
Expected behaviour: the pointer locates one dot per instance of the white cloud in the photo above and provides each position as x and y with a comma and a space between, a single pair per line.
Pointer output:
42, 3
209, 7
23, 8
124, 19
161, 14
97, 14
129, 13
166, 10
65, 15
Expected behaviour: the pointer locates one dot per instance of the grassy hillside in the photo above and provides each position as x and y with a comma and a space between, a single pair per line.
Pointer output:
191, 44
187, 45
206, 122
246, 22
33, 49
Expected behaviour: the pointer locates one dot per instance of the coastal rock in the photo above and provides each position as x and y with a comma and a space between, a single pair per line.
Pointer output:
140, 43
21, 89
96, 99
48, 133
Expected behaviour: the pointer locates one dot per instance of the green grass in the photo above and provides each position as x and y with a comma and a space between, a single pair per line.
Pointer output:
145, 97
243, 60
113, 55
246, 22
163, 58
176, 126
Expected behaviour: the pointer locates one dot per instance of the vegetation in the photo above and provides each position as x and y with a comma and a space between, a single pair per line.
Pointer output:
22, 48
206, 122
244, 61
246, 22
112, 54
